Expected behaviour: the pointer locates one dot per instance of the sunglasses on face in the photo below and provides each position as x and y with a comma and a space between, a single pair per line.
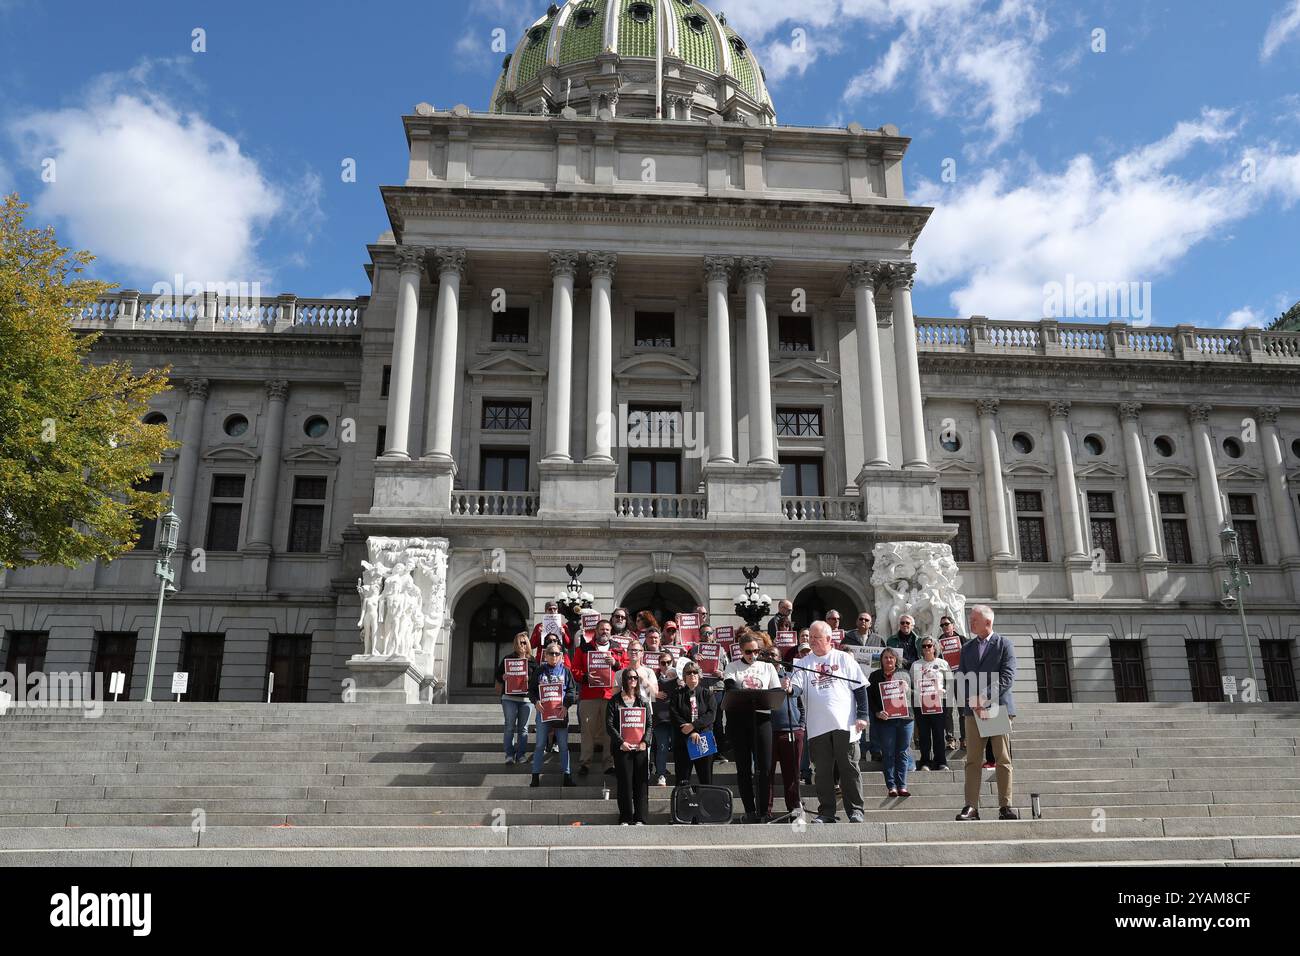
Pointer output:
552, 653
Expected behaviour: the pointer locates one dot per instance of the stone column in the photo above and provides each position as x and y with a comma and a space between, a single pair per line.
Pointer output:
410, 267
559, 385
268, 469
441, 402
863, 277
1207, 478
187, 466
1138, 491
600, 361
717, 272
912, 423
1076, 539
1279, 490
762, 427
995, 499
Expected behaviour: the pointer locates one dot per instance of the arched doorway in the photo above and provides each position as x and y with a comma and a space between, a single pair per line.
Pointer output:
662, 599
487, 618
815, 600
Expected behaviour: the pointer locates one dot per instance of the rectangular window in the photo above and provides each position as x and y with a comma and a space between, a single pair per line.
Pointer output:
500, 416
1173, 522
799, 422
225, 512
654, 474
148, 526
795, 333
1242, 509
1031, 528
289, 659
1203, 668
201, 659
1130, 671
26, 648
654, 426
956, 510
504, 470
307, 517
510, 327
385, 381
802, 477
1279, 671
115, 653
1103, 525
381, 438
1051, 667
655, 330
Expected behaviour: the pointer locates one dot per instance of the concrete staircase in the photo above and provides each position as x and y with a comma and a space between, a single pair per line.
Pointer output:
333, 784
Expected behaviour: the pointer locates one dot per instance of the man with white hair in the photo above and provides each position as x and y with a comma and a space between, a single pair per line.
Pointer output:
834, 692
988, 661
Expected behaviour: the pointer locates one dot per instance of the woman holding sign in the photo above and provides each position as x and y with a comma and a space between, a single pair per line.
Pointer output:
693, 711
930, 678
888, 692
514, 674
626, 722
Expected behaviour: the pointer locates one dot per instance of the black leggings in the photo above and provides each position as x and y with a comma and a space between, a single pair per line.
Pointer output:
933, 746
683, 764
633, 788
751, 738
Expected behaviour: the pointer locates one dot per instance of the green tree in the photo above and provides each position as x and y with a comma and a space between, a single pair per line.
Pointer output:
73, 445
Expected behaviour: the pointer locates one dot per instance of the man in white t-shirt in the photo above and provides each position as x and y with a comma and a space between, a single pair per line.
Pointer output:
835, 701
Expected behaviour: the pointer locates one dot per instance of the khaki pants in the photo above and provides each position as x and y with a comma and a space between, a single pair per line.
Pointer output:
975, 762
591, 722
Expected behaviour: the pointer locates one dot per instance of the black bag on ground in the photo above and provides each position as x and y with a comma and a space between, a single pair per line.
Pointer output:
697, 803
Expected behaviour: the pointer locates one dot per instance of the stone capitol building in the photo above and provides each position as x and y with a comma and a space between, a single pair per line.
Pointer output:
626, 320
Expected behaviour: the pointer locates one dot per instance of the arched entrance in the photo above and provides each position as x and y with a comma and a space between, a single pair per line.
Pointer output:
662, 599
815, 600
487, 616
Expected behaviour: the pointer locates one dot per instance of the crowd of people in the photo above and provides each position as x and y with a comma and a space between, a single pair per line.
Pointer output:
805, 703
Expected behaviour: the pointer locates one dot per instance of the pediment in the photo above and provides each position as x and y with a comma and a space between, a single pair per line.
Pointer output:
1028, 468
233, 453
954, 467
506, 366
804, 372
313, 456
1170, 471
1240, 472
655, 367
1098, 470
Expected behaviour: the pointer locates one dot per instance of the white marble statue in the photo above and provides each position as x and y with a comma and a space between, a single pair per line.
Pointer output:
403, 590
369, 586
916, 578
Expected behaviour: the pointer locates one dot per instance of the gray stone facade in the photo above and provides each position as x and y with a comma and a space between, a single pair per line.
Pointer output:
759, 276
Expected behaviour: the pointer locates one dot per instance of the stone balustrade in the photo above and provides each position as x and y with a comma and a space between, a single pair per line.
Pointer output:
129, 310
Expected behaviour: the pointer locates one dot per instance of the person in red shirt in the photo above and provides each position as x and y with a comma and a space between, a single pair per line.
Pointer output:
593, 702
551, 608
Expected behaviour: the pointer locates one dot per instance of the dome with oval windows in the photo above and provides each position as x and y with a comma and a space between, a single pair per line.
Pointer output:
669, 59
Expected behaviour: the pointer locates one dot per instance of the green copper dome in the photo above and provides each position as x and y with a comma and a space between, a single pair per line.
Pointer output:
674, 59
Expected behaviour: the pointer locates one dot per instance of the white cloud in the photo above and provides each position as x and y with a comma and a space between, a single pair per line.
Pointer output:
780, 60
1284, 25
1240, 318
152, 189
1002, 237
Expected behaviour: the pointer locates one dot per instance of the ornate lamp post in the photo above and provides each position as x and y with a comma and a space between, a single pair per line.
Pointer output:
573, 600
168, 535
751, 605
1233, 593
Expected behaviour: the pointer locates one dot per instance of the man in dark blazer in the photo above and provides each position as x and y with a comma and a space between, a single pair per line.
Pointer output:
988, 667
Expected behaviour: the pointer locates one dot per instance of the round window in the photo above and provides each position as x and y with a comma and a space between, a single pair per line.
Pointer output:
641, 12
584, 17
536, 35
696, 23
1094, 445
1022, 443
236, 425
738, 45
1164, 446
316, 427
1232, 448
155, 418
950, 441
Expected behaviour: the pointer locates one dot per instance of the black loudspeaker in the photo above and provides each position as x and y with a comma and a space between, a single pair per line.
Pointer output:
696, 803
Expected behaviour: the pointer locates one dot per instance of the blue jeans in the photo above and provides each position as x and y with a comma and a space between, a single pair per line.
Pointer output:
895, 745
663, 747
561, 734
515, 737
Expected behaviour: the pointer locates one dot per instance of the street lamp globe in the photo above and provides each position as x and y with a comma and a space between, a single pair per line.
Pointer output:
169, 533
1228, 539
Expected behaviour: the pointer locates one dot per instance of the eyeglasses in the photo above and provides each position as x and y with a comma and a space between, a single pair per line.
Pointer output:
746, 652
552, 653
620, 617
864, 618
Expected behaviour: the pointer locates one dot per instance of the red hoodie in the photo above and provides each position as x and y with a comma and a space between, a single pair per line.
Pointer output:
579, 669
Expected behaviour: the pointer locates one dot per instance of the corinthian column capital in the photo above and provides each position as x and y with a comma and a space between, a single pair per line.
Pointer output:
1268, 414
411, 258
450, 261
864, 275
754, 269
901, 274
1059, 409
601, 265
277, 389
987, 406
1130, 411
1199, 414
564, 264
197, 388
718, 268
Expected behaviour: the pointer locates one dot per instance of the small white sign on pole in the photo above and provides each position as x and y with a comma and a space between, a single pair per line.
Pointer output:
270, 685
5, 701
1230, 688
116, 683
180, 684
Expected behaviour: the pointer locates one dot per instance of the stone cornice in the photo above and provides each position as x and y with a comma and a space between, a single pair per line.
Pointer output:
226, 344
1036, 367
403, 202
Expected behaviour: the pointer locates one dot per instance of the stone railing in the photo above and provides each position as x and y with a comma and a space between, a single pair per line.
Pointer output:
494, 503
210, 312
822, 509
659, 506
1107, 340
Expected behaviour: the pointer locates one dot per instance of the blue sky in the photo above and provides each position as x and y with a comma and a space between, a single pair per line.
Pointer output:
1166, 151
